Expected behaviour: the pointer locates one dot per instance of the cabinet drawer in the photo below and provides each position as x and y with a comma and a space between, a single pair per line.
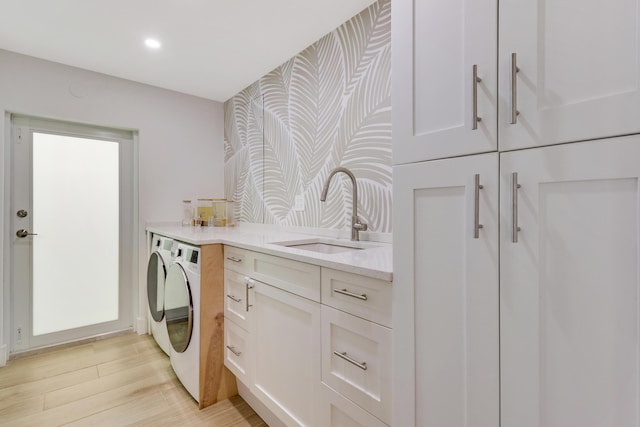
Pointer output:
338, 411
293, 276
236, 351
356, 361
358, 295
236, 259
235, 298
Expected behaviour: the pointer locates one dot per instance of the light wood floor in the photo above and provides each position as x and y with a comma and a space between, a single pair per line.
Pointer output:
121, 381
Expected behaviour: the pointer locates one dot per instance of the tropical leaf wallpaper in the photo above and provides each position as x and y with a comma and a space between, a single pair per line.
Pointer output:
328, 106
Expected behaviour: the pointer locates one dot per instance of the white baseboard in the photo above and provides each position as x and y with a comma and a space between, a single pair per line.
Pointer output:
4, 355
141, 326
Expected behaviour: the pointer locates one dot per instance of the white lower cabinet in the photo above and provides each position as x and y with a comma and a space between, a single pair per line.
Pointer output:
285, 330
338, 411
303, 363
356, 361
569, 286
237, 352
235, 298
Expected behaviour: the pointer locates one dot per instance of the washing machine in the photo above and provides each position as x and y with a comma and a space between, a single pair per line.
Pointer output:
182, 313
159, 262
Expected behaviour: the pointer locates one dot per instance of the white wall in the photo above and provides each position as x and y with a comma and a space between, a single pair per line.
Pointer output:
180, 146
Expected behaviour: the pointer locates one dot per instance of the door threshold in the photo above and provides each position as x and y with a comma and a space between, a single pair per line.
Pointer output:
46, 349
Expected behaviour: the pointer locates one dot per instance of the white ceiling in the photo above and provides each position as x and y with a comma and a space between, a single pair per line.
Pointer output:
210, 48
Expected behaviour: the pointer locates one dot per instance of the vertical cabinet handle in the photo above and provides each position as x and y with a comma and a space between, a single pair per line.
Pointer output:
514, 207
476, 211
514, 89
476, 80
248, 285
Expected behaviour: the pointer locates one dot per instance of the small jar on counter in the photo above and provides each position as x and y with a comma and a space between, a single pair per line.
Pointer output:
231, 213
187, 212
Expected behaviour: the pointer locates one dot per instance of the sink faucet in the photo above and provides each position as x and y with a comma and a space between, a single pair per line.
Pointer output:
356, 224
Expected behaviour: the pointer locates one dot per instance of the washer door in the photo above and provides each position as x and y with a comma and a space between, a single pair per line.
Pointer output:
156, 274
178, 308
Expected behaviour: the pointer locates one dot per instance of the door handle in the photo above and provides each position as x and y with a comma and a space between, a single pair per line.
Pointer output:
476, 80
22, 233
515, 228
476, 207
249, 284
514, 89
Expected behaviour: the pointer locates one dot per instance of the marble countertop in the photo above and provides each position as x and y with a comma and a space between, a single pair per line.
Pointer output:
375, 261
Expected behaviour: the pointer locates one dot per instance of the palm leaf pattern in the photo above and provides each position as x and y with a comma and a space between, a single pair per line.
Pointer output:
328, 106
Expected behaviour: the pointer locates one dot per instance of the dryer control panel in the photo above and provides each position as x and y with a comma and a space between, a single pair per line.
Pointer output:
192, 256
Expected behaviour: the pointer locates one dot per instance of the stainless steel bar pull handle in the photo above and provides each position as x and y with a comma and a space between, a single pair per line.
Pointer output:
345, 356
363, 297
233, 298
514, 207
514, 89
476, 208
233, 349
476, 80
234, 259
249, 285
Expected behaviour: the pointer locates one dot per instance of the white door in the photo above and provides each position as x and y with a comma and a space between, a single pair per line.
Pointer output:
445, 293
437, 45
569, 286
286, 353
579, 67
72, 232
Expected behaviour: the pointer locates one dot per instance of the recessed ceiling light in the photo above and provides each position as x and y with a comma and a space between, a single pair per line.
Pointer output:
152, 43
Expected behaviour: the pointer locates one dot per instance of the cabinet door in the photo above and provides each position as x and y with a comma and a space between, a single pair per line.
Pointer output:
235, 301
436, 45
237, 352
569, 286
286, 346
356, 360
579, 70
445, 293
338, 411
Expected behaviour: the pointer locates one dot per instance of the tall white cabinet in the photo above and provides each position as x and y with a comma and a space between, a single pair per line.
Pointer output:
533, 318
569, 286
446, 303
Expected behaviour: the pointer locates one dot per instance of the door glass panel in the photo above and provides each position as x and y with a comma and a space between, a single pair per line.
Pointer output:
75, 203
178, 308
156, 273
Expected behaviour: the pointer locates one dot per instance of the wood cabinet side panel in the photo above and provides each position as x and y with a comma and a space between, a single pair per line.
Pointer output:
216, 381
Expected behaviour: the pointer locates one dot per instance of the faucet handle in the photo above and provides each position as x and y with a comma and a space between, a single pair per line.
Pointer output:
359, 225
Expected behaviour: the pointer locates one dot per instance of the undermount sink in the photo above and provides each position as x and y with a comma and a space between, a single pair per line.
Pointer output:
326, 246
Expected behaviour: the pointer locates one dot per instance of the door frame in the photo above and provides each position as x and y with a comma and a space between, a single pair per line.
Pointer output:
129, 231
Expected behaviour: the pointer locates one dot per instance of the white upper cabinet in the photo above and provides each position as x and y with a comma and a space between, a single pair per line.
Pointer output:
439, 108
578, 75
569, 286
567, 71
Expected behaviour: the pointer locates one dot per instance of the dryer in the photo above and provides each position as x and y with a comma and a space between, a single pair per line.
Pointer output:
160, 260
182, 313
